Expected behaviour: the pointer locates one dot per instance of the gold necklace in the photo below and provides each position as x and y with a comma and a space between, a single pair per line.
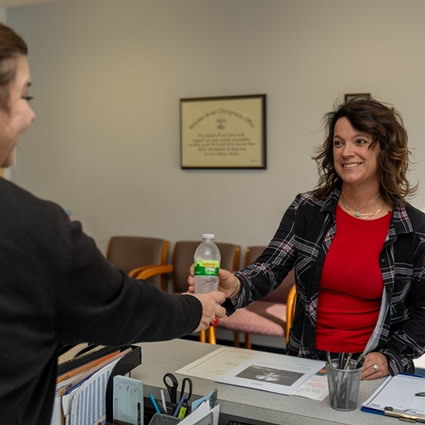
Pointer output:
356, 211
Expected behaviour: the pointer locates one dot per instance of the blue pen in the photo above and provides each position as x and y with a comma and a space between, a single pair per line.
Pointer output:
155, 405
182, 398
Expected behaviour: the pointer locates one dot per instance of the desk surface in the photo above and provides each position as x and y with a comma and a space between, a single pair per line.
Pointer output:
161, 357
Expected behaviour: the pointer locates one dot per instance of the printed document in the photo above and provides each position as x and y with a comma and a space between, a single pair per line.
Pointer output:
264, 371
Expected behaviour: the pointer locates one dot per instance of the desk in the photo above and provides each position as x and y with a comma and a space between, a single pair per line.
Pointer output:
246, 404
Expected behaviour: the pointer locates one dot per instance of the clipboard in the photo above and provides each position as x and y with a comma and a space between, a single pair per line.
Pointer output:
396, 398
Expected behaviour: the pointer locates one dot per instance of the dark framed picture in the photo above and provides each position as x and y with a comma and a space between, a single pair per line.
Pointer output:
223, 132
352, 96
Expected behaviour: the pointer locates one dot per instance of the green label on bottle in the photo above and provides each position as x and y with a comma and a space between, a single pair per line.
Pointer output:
206, 268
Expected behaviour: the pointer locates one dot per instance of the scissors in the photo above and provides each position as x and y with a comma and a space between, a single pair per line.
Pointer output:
172, 385
182, 407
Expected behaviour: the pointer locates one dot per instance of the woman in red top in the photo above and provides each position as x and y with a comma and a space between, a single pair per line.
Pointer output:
356, 245
351, 284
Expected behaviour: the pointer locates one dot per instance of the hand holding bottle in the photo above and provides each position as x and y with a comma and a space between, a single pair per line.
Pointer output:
207, 263
228, 283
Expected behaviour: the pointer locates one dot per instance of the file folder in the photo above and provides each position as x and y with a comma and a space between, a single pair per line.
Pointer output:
121, 366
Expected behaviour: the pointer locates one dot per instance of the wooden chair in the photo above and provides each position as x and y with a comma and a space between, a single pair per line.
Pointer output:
290, 311
268, 316
134, 254
182, 259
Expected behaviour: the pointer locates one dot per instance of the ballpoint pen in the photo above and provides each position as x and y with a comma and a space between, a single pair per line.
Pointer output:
347, 361
341, 357
163, 400
420, 394
155, 405
360, 361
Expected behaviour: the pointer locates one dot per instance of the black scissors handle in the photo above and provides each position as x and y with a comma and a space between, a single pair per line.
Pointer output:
171, 383
187, 382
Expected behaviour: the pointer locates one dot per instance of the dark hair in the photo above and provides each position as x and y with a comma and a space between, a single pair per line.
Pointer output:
386, 127
11, 45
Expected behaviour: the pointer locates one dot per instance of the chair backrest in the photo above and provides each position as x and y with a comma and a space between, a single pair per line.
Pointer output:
183, 258
280, 294
130, 252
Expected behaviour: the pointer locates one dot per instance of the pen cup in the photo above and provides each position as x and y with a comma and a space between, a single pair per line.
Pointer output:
162, 419
344, 385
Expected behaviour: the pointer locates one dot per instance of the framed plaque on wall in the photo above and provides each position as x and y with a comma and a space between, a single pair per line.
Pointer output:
223, 132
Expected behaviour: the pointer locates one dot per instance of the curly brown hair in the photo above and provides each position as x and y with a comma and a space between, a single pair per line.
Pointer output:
386, 127
11, 45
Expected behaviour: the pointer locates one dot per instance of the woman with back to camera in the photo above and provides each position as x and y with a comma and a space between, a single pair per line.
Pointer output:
56, 287
357, 246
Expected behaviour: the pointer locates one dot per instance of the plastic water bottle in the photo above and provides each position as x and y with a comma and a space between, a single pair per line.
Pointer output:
207, 263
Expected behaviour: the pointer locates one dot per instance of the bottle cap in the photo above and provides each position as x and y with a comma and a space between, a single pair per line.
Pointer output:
207, 235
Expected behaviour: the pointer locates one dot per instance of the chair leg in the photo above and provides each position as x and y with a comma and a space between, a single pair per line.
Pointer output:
248, 341
236, 339
202, 336
211, 335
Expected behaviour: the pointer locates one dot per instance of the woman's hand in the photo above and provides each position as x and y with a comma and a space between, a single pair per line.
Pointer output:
228, 282
375, 366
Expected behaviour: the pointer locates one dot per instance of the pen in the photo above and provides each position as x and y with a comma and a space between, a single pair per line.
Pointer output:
182, 411
179, 405
328, 356
347, 361
155, 405
163, 400
160, 404
421, 394
360, 361
341, 357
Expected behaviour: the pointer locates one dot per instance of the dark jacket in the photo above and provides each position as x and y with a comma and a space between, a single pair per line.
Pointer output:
56, 287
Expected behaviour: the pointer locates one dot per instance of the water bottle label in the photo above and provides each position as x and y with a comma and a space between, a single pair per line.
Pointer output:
206, 268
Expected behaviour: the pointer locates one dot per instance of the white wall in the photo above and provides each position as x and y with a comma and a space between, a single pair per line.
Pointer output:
108, 77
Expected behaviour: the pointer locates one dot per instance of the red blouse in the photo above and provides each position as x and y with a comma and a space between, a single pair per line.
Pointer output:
351, 284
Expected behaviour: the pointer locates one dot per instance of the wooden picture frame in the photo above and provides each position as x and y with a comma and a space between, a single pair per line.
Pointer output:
223, 132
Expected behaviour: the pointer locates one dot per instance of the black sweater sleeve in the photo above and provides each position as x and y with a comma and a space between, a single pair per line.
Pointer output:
101, 304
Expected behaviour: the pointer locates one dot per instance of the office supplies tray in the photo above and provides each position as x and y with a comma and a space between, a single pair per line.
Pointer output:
123, 366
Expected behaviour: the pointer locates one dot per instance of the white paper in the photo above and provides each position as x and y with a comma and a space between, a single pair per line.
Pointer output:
274, 373
315, 388
214, 365
86, 403
223, 360
57, 412
399, 392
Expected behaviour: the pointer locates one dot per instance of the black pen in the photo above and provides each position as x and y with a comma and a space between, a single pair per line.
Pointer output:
341, 357
421, 394
360, 361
